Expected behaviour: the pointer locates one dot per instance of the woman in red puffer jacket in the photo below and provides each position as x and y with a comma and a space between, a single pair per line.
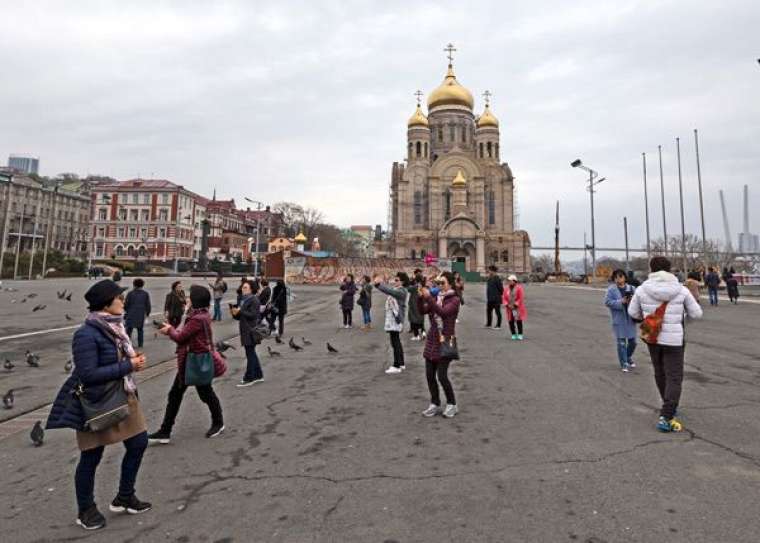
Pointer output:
194, 336
443, 311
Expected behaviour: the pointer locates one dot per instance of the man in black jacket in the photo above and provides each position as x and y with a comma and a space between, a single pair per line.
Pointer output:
137, 308
494, 291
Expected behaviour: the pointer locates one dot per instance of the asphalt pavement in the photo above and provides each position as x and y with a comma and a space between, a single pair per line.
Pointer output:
552, 442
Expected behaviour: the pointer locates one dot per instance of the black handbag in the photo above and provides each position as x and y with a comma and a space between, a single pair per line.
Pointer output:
109, 410
449, 348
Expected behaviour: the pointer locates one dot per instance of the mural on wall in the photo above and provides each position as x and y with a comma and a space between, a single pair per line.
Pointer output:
323, 271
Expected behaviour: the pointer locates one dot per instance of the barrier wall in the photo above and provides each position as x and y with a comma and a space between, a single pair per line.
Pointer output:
310, 270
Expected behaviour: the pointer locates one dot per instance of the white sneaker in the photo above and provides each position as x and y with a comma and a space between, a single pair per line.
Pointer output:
450, 411
431, 411
424, 335
393, 369
402, 367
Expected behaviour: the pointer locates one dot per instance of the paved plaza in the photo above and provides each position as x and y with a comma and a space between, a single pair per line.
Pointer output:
552, 443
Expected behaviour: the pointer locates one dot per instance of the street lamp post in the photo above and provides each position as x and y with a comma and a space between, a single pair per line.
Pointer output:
592, 182
259, 205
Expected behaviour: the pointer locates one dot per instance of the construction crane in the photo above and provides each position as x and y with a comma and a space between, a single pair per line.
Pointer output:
726, 229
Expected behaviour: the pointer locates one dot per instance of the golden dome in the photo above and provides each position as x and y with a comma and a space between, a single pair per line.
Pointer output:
459, 180
418, 119
487, 119
300, 238
450, 92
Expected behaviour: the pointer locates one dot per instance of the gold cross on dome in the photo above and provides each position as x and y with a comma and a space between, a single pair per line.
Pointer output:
450, 49
419, 96
487, 95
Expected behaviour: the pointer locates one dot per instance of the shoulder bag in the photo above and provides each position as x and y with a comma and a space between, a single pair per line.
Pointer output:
449, 348
109, 410
199, 367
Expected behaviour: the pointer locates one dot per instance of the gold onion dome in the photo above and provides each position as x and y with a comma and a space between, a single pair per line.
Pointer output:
450, 92
418, 118
487, 119
459, 180
300, 238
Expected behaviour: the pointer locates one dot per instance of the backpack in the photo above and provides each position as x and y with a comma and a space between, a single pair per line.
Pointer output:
650, 327
224, 286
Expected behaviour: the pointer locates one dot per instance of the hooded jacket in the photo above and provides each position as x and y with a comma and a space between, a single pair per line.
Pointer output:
662, 287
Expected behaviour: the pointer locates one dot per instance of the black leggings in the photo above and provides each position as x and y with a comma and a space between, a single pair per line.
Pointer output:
398, 350
417, 329
439, 370
512, 326
347, 317
207, 396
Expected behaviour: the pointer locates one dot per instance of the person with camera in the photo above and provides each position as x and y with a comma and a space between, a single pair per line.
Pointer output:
395, 309
440, 346
617, 299
194, 336
104, 361
248, 314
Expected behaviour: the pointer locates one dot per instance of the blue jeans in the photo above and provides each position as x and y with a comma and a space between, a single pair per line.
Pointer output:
367, 315
625, 348
713, 294
253, 366
84, 477
217, 309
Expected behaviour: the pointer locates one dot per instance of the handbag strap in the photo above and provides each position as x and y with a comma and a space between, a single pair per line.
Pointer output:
207, 333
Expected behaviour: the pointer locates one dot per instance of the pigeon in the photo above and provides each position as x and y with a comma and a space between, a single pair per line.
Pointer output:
277, 339
32, 295
38, 308
69, 318
61, 295
271, 352
38, 434
8, 365
292, 345
68, 298
331, 349
23, 300
68, 365
222, 346
305, 341
8, 399
32, 359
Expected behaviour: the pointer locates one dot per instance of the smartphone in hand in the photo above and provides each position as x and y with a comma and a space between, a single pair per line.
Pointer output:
158, 324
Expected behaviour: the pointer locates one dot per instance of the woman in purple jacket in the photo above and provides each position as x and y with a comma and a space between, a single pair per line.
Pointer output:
443, 311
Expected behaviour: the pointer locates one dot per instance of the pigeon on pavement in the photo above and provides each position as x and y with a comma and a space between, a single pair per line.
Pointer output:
61, 295
331, 349
69, 318
32, 295
8, 365
222, 346
37, 434
68, 298
8, 399
271, 352
277, 339
38, 308
305, 341
32, 359
292, 345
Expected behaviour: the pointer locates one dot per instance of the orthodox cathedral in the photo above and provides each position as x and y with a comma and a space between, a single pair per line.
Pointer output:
453, 197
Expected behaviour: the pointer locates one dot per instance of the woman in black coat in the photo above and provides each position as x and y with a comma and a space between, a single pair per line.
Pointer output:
175, 304
278, 307
248, 313
137, 308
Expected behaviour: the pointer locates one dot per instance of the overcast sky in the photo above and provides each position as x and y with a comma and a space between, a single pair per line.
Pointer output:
308, 101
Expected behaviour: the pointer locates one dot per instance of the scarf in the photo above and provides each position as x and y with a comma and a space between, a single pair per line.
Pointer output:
439, 300
113, 326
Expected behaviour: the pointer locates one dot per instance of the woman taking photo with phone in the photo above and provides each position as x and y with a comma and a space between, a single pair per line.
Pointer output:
248, 313
442, 310
104, 362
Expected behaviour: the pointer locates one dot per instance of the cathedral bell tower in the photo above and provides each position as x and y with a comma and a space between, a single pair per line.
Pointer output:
418, 134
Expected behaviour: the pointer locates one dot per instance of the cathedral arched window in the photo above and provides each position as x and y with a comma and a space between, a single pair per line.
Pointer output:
447, 204
505, 255
426, 150
414, 254
419, 149
417, 207
452, 133
494, 257
481, 149
464, 134
496, 147
488, 146
411, 146
440, 134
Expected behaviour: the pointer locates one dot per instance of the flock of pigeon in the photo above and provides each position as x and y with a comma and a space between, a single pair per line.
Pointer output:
296, 347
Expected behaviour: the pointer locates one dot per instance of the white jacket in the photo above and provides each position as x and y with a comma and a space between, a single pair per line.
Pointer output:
662, 287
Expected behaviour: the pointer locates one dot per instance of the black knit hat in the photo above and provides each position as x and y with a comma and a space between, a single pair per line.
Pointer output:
102, 293
200, 297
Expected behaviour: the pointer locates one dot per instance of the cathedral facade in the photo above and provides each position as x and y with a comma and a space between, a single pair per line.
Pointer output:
453, 197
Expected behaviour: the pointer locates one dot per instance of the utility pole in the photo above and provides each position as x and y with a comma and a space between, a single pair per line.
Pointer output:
19, 233
557, 266
6, 222
50, 226
680, 194
701, 202
34, 233
646, 205
258, 228
662, 195
625, 233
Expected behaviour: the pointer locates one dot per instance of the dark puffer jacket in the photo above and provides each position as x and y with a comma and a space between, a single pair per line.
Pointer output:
448, 312
347, 298
195, 336
96, 362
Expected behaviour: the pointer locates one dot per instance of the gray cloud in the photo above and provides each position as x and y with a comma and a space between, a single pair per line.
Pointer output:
308, 101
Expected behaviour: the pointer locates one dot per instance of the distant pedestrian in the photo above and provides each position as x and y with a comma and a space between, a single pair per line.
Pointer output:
416, 319
265, 294
494, 294
365, 302
514, 300
175, 305
712, 282
137, 308
103, 355
692, 283
219, 288
442, 310
617, 299
660, 302
395, 309
732, 289
195, 336
348, 288
249, 316
278, 307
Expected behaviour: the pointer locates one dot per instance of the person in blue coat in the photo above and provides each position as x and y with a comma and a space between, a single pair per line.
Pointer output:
137, 308
618, 296
102, 354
